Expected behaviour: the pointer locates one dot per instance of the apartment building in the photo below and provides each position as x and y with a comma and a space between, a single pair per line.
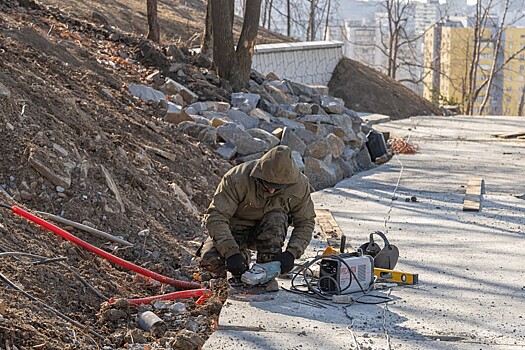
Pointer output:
448, 55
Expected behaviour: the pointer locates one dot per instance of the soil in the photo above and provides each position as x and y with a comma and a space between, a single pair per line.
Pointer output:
365, 89
131, 175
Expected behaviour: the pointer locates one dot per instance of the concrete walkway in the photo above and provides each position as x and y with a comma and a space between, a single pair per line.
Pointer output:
471, 265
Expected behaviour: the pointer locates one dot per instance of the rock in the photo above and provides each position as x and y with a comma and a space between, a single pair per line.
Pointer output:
2, 307
203, 61
306, 135
26, 196
336, 145
316, 109
261, 115
135, 336
278, 133
270, 127
268, 106
363, 160
298, 159
261, 91
51, 167
271, 76
291, 140
245, 143
340, 125
318, 149
187, 340
204, 133
156, 78
301, 89
289, 123
248, 158
303, 108
216, 122
99, 17
146, 93
227, 150
265, 136
330, 104
176, 54
171, 87
256, 76
179, 100
285, 113
201, 107
175, 114
175, 67
200, 120
277, 94
108, 93
240, 117
245, 102
346, 169
320, 175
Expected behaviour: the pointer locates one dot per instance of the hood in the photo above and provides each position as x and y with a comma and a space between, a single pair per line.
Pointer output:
277, 166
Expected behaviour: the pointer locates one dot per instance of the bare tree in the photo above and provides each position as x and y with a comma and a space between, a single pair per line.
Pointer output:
234, 63
153, 21
207, 39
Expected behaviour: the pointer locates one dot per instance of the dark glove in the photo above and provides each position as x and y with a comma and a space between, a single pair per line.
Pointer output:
286, 260
236, 264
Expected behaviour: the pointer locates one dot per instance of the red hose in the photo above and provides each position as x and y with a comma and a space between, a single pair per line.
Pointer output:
202, 293
110, 257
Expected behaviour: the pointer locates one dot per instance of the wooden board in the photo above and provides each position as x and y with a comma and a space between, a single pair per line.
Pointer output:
329, 228
509, 135
475, 188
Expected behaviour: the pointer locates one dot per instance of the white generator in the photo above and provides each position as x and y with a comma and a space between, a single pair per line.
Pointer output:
340, 274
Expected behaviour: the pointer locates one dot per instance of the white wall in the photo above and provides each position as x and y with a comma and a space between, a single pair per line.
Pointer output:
306, 62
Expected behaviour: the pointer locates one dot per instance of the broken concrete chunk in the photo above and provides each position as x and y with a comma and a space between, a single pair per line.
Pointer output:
301, 89
336, 145
146, 93
289, 123
175, 114
51, 167
245, 102
277, 94
268, 106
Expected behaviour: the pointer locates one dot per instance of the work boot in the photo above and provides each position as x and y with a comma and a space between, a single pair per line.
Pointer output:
272, 286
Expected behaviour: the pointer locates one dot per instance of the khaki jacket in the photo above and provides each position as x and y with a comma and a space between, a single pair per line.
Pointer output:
241, 200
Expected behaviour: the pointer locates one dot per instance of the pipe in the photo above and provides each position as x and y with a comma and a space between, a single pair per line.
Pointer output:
109, 257
86, 228
202, 293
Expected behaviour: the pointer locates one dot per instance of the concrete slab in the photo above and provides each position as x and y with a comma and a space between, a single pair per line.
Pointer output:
471, 293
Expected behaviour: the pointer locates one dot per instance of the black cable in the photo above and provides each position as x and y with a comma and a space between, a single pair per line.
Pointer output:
5, 206
56, 312
313, 287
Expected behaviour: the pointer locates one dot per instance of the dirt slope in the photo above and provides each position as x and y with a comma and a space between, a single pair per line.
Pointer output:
366, 90
65, 105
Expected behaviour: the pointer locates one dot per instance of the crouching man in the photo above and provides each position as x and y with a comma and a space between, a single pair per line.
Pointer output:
252, 208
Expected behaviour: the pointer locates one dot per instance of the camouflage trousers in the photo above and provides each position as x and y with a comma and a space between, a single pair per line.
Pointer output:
267, 238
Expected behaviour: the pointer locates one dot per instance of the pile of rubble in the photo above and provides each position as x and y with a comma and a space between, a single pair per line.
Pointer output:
327, 139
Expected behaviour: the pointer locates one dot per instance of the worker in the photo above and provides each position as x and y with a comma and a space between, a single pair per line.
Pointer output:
252, 208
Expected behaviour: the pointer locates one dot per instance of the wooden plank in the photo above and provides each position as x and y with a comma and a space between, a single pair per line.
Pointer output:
509, 135
475, 188
329, 228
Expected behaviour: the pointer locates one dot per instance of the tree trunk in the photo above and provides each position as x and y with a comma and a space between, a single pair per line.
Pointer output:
522, 102
311, 22
222, 26
243, 57
288, 19
327, 22
270, 14
153, 21
207, 39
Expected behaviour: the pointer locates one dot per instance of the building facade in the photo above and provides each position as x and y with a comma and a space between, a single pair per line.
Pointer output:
448, 55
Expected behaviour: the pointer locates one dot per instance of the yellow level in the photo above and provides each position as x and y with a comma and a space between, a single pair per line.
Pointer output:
384, 275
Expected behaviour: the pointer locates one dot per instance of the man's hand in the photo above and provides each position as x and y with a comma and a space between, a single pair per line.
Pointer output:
286, 260
236, 264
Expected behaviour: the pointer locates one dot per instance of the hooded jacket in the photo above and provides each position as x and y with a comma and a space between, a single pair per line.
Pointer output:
242, 200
